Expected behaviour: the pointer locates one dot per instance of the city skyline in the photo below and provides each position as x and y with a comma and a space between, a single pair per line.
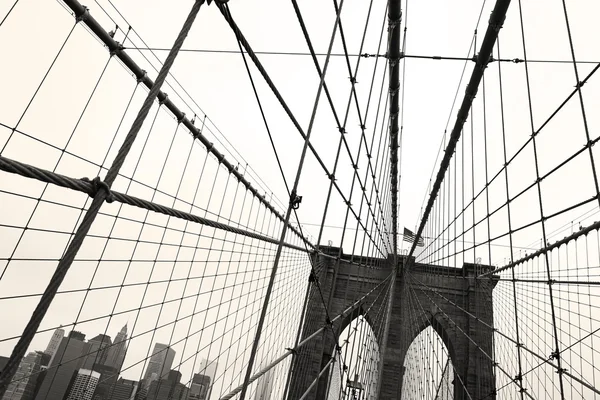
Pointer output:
72, 367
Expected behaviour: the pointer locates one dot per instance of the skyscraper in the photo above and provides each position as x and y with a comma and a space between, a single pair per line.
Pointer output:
199, 388
160, 363
116, 353
25, 379
57, 336
83, 385
168, 389
124, 389
96, 351
63, 366
208, 368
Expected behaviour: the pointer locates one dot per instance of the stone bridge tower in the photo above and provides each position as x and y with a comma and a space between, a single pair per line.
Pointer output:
442, 298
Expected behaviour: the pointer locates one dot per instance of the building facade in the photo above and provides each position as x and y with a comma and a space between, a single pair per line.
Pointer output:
160, 363
83, 385
25, 379
124, 389
199, 387
116, 353
96, 351
54, 342
64, 365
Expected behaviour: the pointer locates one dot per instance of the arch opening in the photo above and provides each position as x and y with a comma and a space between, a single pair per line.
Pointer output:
428, 368
355, 373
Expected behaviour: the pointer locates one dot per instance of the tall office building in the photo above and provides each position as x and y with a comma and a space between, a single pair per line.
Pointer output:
124, 389
116, 353
199, 387
66, 361
25, 379
96, 351
168, 389
83, 385
160, 363
209, 368
108, 379
57, 336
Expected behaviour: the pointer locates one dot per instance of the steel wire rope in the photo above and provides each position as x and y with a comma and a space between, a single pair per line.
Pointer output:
271, 85
227, 15
547, 360
490, 37
109, 42
57, 163
264, 185
353, 96
273, 145
413, 303
421, 284
87, 221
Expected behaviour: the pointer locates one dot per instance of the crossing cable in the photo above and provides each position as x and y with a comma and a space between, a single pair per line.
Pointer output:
418, 313
347, 311
510, 236
354, 97
227, 15
578, 85
546, 360
92, 187
340, 347
494, 26
140, 74
271, 139
282, 102
423, 285
342, 127
237, 155
64, 265
515, 60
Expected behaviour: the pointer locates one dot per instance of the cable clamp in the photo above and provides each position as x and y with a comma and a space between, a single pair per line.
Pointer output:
295, 200
116, 50
518, 378
554, 355
165, 98
84, 16
517, 60
97, 185
141, 78
293, 351
180, 119
312, 278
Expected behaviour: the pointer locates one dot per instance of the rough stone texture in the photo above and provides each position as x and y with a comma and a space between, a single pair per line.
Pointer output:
424, 299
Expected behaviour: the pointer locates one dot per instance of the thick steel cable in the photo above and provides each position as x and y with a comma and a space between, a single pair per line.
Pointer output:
485, 52
227, 15
64, 265
286, 108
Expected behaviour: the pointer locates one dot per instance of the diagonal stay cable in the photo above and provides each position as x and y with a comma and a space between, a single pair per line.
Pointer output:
293, 197
286, 108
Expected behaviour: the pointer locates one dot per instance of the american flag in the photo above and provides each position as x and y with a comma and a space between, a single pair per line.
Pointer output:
410, 238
